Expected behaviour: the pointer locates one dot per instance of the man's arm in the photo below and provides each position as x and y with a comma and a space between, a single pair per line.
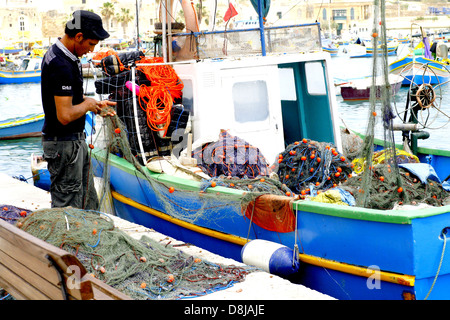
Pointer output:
67, 113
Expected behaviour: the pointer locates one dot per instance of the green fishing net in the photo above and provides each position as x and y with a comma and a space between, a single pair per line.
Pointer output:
142, 269
380, 183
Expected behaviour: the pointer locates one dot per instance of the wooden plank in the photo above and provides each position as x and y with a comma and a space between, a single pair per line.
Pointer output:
26, 271
28, 274
18, 287
38, 248
102, 291
35, 263
26, 257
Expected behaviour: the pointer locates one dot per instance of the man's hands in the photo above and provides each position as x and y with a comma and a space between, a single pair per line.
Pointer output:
103, 108
66, 112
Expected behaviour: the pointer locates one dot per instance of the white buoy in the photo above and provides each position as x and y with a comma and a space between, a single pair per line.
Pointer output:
271, 257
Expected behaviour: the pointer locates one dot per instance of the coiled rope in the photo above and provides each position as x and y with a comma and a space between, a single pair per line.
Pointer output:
157, 100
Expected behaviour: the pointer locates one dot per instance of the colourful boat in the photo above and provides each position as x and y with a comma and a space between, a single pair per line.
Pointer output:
366, 52
332, 51
344, 251
22, 127
29, 71
420, 70
330, 47
359, 90
10, 50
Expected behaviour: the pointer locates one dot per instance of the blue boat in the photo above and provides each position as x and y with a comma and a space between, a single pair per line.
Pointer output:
420, 70
22, 127
10, 50
29, 71
330, 47
344, 251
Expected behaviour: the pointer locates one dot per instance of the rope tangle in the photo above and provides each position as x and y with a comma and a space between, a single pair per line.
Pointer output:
157, 100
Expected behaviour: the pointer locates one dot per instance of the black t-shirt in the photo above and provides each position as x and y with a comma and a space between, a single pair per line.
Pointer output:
61, 76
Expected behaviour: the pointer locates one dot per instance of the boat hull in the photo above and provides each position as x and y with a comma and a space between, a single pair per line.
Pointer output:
346, 252
420, 70
41, 175
16, 77
332, 51
350, 93
370, 54
24, 127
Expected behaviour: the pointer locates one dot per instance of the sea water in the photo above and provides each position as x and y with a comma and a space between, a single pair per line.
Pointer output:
355, 114
22, 99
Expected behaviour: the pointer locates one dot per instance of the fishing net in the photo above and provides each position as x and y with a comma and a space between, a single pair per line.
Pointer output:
231, 156
12, 214
247, 170
380, 183
156, 115
142, 269
307, 165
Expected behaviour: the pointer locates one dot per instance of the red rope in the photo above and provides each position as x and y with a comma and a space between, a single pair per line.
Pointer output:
157, 100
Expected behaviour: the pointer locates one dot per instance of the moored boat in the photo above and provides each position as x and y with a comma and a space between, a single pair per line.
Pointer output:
359, 90
420, 70
285, 105
22, 127
29, 71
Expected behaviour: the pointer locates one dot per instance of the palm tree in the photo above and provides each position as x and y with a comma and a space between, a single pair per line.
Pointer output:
107, 11
124, 17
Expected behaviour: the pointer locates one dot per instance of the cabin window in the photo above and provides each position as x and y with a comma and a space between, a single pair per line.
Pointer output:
37, 66
315, 78
250, 101
287, 84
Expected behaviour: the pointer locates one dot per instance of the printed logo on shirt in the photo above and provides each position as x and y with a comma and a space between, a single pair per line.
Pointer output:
67, 87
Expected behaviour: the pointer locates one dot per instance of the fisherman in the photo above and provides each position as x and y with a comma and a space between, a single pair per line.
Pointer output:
65, 108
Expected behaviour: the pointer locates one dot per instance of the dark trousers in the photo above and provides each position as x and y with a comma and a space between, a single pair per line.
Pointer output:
72, 182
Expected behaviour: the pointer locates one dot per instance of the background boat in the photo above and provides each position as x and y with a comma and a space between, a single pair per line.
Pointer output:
22, 127
330, 47
359, 90
29, 71
420, 70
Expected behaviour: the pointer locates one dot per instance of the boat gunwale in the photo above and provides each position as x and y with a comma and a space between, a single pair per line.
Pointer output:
13, 122
402, 216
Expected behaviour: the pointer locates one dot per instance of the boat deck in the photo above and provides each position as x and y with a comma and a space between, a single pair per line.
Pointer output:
257, 286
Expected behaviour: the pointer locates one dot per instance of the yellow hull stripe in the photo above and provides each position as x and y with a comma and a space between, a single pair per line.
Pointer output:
406, 280
402, 279
19, 122
181, 223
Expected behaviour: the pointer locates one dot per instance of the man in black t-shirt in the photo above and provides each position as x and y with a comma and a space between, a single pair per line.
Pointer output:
65, 108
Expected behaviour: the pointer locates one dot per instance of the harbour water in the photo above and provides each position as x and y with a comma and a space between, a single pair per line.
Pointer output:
355, 114
23, 99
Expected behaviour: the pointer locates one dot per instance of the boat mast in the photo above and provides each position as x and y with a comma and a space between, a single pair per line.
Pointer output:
261, 28
137, 25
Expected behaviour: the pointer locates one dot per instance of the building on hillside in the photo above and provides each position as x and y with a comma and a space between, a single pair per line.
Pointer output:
339, 16
20, 22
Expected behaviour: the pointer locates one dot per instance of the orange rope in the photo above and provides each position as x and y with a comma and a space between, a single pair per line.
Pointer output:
157, 100
106, 52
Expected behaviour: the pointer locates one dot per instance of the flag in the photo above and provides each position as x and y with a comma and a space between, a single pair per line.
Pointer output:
231, 12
